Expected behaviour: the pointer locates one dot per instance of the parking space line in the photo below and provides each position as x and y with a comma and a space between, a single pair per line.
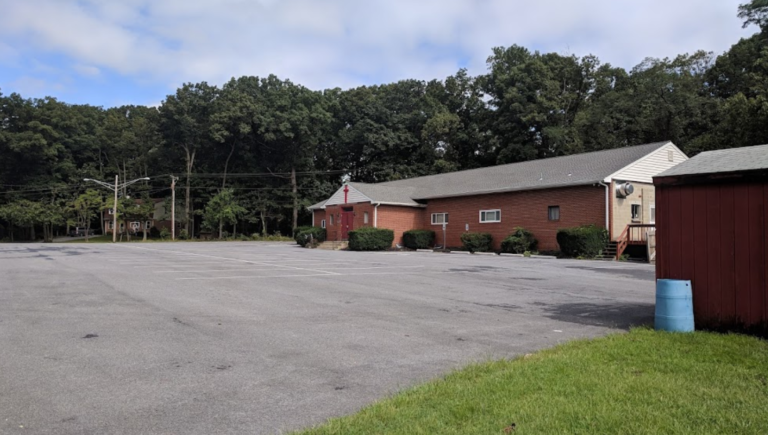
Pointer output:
252, 276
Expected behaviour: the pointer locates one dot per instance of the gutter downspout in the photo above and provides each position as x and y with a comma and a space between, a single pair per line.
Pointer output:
607, 200
376, 215
313, 218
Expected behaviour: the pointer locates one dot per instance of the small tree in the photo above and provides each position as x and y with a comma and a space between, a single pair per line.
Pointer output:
86, 206
222, 209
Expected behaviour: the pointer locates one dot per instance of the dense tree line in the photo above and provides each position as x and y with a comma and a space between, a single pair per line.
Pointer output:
257, 151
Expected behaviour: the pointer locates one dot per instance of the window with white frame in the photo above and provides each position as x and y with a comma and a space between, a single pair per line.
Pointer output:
652, 213
148, 224
331, 220
636, 210
135, 226
488, 216
365, 217
122, 226
109, 211
322, 223
111, 226
439, 218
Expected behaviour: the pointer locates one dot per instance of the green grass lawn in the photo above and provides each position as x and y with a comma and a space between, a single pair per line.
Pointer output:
642, 382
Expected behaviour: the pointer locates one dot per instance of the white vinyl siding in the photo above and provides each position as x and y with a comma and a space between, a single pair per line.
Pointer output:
353, 196
643, 170
652, 213
439, 218
490, 216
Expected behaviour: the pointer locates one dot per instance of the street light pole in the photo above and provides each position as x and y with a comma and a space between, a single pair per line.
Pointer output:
116, 188
173, 207
114, 215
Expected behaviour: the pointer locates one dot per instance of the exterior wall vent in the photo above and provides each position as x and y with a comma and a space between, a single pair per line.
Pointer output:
623, 190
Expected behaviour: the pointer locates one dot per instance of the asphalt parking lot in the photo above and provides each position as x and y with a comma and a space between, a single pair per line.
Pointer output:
264, 338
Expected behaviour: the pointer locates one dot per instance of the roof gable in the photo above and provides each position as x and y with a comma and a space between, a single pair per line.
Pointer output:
353, 196
644, 169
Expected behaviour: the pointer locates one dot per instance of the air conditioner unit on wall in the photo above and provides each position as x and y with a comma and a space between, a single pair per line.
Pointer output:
623, 190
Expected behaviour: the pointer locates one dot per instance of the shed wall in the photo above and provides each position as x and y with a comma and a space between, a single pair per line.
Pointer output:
715, 235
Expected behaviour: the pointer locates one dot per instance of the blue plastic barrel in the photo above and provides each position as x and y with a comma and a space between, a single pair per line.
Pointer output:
674, 305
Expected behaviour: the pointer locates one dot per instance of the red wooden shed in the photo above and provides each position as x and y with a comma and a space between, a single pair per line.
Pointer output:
712, 219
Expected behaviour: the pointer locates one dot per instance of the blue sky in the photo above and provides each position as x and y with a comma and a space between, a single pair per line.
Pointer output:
114, 52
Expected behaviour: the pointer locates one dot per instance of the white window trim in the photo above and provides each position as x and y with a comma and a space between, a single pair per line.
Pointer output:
640, 216
148, 224
490, 211
652, 216
365, 217
444, 215
322, 223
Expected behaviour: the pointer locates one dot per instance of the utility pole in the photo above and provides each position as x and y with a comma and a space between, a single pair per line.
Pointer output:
116, 188
114, 215
173, 207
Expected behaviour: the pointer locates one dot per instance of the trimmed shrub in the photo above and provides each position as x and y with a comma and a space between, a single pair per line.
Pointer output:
371, 239
315, 234
418, 239
298, 231
154, 233
477, 242
519, 242
584, 241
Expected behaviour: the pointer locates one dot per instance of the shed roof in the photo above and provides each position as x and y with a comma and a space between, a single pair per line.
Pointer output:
720, 161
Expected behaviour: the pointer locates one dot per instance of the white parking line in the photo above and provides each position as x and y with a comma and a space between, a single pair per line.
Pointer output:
376, 267
211, 270
253, 276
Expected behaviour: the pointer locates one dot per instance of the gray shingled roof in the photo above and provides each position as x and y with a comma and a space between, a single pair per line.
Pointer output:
573, 170
730, 160
318, 206
380, 193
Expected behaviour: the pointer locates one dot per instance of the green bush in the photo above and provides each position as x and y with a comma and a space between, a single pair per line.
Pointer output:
584, 241
308, 234
183, 235
154, 233
477, 242
165, 233
371, 239
298, 231
519, 242
418, 239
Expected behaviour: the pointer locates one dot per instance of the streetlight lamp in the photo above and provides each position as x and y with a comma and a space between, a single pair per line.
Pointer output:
115, 188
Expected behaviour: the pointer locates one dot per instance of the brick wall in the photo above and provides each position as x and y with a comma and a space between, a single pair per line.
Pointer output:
400, 219
578, 206
319, 215
334, 229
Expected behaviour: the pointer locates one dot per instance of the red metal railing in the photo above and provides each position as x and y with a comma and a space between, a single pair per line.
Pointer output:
633, 234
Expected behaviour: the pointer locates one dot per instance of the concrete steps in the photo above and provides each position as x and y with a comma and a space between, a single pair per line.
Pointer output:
333, 246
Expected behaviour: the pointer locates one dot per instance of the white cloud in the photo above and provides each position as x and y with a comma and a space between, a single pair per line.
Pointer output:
87, 70
344, 43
